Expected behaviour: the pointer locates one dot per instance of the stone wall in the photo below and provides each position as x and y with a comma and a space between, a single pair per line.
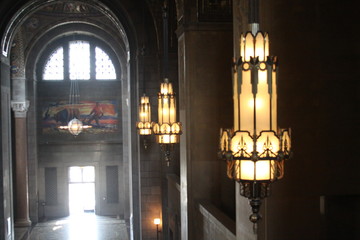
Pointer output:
6, 195
212, 223
173, 207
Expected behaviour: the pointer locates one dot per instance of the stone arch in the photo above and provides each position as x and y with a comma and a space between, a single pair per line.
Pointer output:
129, 93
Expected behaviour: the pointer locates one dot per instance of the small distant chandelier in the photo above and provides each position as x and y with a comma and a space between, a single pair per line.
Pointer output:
167, 130
75, 126
144, 125
255, 150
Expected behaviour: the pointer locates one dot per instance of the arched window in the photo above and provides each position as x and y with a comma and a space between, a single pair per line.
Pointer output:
81, 59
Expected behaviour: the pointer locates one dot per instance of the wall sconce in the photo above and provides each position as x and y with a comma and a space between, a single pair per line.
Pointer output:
255, 150
157, 222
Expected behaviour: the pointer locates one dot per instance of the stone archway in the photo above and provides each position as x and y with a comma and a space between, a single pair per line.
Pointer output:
20, 98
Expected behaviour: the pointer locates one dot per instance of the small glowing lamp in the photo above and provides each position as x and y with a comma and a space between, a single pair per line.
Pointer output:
157, 221
75, 126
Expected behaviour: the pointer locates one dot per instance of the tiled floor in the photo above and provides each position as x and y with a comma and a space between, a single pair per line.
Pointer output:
81, 227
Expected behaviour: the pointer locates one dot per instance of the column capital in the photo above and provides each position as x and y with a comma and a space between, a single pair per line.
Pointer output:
20, 108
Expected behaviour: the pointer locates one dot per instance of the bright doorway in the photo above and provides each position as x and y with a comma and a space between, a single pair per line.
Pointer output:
81, 190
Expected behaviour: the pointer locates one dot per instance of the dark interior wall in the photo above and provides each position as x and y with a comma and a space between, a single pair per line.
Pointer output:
205, 53
318, 98
6, 206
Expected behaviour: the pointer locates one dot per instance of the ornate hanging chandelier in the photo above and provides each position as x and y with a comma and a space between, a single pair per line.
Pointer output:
144, 125
167, 130
75, 126
255, 150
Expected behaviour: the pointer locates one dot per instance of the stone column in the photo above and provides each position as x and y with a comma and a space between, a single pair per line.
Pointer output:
204, 62
21, 165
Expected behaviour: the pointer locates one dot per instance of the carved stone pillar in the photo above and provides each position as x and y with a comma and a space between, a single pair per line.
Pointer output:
21, 165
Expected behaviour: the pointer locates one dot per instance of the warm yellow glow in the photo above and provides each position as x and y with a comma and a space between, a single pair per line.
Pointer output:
254, 46
157, 221
167, 129
144, 125
263, 117
249, 46
246, 115
250, 170
166, 104
242, 144
262, 77
176, 128
166, 87
274, 103
167, 138
258, 149
267, 144
145, 131
263, 170
251, 92
75, 126
246, 170
236, 100
144, 99
144, 109
259, 103
259, 46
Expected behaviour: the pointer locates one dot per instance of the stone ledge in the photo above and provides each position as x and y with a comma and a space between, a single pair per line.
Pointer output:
174, 180
218, 218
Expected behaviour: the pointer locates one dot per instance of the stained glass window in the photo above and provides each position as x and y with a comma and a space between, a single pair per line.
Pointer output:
104, 66
79, 60
54, 67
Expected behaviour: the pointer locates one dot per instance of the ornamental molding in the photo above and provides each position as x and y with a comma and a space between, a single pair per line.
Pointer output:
20, 108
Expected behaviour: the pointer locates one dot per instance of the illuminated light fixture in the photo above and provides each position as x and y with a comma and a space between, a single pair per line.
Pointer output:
167, 130
255, 150
157, 222
144, 125
75, 126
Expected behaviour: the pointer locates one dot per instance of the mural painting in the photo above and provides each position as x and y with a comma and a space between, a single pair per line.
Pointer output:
102, 116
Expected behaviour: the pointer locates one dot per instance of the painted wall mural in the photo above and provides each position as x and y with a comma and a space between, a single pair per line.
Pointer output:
102, 116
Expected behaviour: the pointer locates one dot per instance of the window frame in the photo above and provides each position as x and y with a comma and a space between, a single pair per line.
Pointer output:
64, 43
